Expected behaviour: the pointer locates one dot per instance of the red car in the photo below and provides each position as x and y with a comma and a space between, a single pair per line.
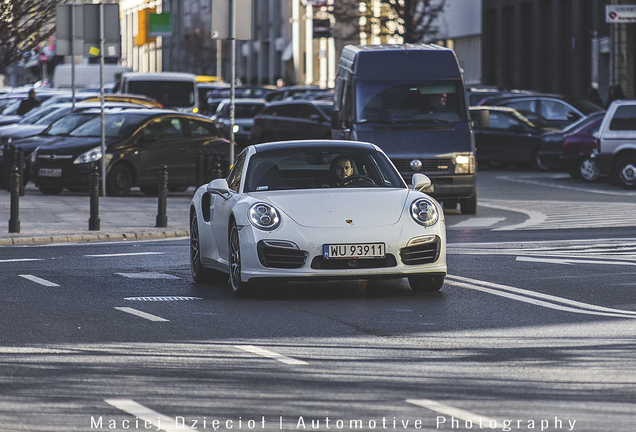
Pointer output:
569, 149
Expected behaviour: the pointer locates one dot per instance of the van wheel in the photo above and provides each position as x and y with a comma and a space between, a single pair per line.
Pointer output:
468, 206
119, 181
625, 173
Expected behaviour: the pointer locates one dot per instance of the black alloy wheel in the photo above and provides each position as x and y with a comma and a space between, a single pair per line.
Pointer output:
119, 181
240, 288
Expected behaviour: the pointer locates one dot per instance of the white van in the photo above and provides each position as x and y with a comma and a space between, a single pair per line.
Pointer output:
171, 89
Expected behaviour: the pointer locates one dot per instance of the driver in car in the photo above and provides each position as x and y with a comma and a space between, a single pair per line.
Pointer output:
341, 168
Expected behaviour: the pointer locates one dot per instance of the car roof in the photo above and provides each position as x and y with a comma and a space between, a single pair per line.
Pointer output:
317, 144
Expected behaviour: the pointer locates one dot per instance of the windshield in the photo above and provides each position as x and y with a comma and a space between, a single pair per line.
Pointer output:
33, 116
167, 93
116, 125
66, 124
409, 102
309, 168
246, 110
52, 116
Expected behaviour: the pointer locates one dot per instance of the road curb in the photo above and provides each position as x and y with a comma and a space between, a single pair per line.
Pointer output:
20, 240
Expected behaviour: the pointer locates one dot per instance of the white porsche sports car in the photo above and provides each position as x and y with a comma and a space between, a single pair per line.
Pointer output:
316, 210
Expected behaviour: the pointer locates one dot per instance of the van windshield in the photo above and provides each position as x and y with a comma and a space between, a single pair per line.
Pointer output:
173, 94
409, 102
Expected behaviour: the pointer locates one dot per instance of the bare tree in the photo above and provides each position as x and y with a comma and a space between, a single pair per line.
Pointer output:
347, 28
24, 24
415, 19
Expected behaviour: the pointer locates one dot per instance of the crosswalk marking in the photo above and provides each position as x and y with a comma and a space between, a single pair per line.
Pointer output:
40, 281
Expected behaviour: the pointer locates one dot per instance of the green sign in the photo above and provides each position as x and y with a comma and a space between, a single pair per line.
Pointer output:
159, 24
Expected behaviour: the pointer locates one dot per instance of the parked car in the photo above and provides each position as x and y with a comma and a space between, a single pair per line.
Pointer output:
138, 142
95, 97
244, 112
295, 92
474, 95
42, 130
616, 155
560, 110
293, 120
511, 136
570, 149
294, 227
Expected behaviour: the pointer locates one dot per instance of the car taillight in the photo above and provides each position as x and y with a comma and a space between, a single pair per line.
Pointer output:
597, 143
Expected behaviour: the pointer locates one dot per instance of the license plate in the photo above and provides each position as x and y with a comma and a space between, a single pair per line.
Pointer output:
357, 250
50, 172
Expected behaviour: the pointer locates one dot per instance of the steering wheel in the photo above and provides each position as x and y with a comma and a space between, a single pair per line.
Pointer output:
355, 178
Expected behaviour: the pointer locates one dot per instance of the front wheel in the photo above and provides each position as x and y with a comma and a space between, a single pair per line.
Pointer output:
468, 206
625, 173
426, 283
199, 273
119, 181
240, 288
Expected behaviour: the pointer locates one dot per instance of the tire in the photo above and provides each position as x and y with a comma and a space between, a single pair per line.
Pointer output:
119, 181
426, 283
240, 288
50, 190
468, 206
586, 170
199, 273
625, 172
538, 163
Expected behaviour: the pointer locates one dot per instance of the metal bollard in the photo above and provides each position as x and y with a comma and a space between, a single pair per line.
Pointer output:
19, 162
93, 220
14, 221
8, 161
198, 169
162, 218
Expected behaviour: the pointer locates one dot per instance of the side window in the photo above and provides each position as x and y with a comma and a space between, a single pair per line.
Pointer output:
528, 105
306, 111
624, 118
499, 121
164, 128
234, 179
553, 110
198, 128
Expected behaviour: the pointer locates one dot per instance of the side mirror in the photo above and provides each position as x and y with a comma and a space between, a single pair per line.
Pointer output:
218, 187
481, 117
420, 181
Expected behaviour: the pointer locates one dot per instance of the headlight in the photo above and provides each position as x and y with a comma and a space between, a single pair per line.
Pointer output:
90, 156
424, 212
264, 216
236, 128
464, 164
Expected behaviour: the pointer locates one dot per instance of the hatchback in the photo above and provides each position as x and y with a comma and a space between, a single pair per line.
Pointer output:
138, 143
293, 120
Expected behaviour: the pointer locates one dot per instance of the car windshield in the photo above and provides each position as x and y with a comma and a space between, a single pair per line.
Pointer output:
167, 93
582, 123
409, 102
66, 124
52, 116
309, 168
33, 116
247, 110
117, 125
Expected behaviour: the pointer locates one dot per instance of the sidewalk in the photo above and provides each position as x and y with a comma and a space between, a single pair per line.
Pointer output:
64, 218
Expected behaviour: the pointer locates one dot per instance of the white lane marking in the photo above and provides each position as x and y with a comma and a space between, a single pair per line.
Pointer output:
477, 223
158, 420
539, 299
40, 281
534, 217
270, 354
163, 298
558, 186
572, 261
20, 260
141, 314
148, 275
468, 416
125, 254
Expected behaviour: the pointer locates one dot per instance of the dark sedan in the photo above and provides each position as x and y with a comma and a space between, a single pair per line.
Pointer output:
293, 120
138, 142
559, 110
569, 149
511, 137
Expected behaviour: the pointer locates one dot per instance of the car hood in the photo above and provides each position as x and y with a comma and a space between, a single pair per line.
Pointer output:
357, 207
21, 131
73, 145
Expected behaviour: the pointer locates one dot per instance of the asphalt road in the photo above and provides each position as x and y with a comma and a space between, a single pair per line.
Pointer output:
533, 330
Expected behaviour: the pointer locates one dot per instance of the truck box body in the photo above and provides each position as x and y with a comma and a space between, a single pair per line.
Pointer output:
86, 75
